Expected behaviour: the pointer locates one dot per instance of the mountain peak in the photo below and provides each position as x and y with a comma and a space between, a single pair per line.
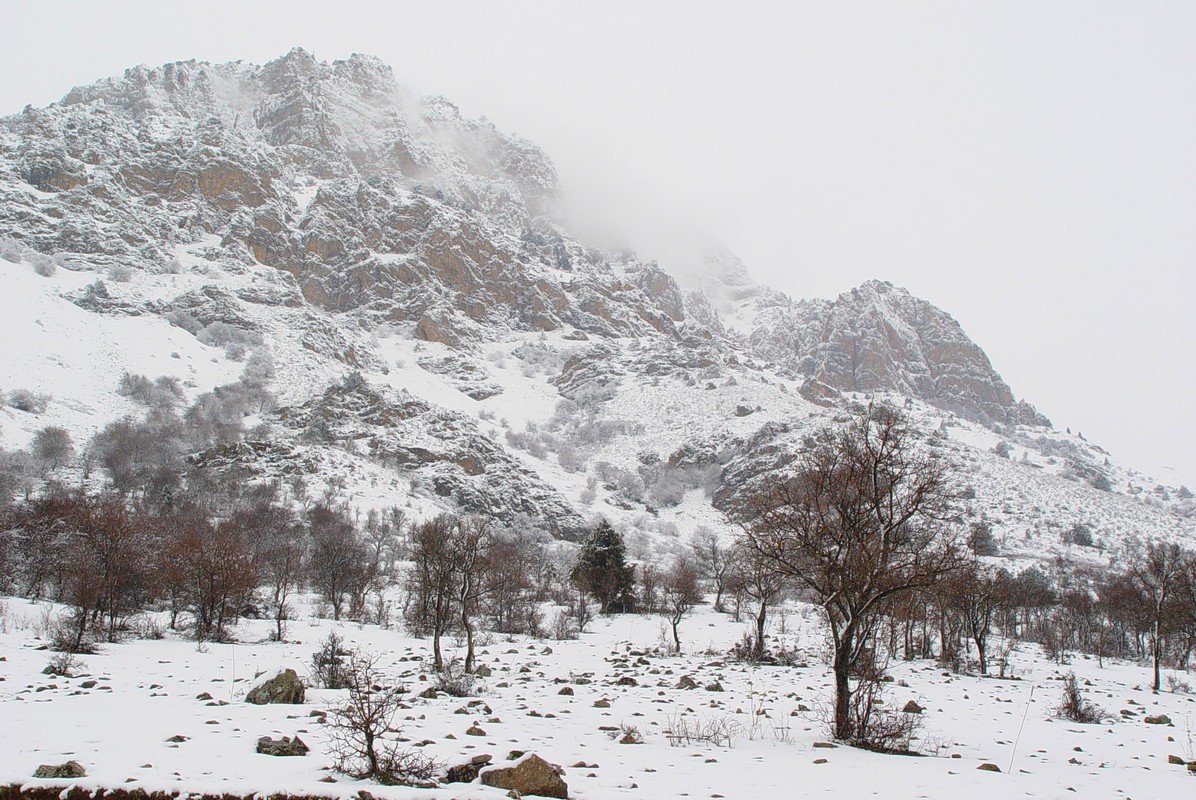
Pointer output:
880, 337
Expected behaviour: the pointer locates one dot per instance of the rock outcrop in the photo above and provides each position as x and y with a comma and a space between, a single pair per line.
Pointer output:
879, 337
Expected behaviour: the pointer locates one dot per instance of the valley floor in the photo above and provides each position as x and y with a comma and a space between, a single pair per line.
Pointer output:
141, 693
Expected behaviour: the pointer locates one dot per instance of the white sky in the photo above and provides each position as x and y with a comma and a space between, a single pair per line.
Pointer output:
1029, 167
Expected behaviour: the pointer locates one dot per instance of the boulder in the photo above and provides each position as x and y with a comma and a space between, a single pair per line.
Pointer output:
530, 776
912, 707
286, 746
1161, 719
71, 769
989, 767
284, 687
687, 682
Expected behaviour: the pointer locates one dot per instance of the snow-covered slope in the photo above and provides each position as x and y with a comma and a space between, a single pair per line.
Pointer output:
437, 337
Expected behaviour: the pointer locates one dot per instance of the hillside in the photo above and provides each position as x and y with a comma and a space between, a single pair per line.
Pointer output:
436, 338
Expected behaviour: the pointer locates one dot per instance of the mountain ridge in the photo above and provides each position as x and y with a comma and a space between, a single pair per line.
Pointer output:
319, 216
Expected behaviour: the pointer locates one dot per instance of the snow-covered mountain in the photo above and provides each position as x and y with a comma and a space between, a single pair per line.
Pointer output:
434, 336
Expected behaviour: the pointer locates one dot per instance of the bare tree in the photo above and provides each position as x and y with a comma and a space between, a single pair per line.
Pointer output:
338, 557
432, 584
471, 546
1156, 576
758, 579
714, 560
975, 595
681, 590
282, 554
52, 446
866, 517
218, 573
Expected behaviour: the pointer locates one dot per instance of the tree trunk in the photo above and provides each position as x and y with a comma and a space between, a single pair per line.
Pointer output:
1157, 656
843, 724
980, 651
468, 626
676, 638
760, 621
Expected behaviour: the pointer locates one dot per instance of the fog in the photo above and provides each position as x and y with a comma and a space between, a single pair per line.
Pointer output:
1028, 167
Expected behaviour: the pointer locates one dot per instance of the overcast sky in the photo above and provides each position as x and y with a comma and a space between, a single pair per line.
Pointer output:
1029, 167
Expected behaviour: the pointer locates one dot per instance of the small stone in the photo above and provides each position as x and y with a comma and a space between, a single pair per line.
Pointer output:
989, 767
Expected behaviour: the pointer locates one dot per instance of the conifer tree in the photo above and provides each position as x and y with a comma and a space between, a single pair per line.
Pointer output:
603, 571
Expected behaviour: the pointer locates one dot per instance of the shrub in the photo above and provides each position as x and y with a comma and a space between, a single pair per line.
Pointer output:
357, 731
53, 446
43, 265
564, 627
1073, 706
120, 273
683, 730
877, 728
65, 665
330, 664
30, 402
454, 681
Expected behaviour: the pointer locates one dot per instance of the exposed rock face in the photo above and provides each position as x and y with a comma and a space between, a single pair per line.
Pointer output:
284, 687
531, 776
373, 200
469, 377
878, 337
444, 447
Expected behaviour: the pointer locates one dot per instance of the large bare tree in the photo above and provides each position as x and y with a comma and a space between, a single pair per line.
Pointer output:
865, 517
1155, 576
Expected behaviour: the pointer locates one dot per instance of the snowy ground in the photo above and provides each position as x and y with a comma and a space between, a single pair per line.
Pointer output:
144, 692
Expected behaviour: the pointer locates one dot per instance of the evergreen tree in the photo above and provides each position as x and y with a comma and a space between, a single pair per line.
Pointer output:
603, 571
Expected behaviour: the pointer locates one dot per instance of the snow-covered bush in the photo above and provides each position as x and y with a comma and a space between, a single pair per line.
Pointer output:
43, 264
120, 273
162, 393
28, 401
